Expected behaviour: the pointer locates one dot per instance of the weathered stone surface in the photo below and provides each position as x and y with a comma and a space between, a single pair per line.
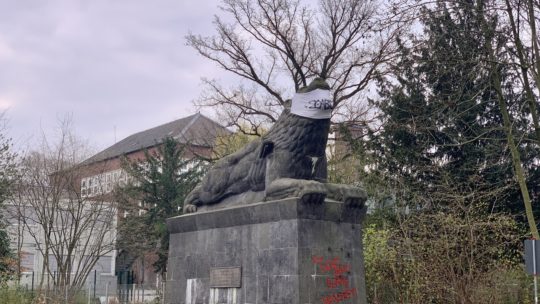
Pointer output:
289, 253
264, 212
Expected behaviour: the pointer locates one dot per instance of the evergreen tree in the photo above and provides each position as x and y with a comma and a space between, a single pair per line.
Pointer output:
442, 138
8, 174
442, 149
7, 258
158, 185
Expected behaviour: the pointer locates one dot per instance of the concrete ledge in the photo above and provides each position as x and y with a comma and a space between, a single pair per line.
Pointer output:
264, 212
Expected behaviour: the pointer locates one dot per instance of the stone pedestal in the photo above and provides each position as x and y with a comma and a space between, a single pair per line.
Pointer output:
277, 252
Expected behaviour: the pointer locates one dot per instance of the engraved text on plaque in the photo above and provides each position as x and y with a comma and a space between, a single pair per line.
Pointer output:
226, 277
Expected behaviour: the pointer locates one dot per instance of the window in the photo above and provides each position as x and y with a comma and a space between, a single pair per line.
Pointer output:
84, 183
102, 183
27, 261
53, 265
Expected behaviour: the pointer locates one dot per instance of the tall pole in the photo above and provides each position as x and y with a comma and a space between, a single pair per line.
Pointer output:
143, 279
107, 293
535, 290
535, 273
95, 282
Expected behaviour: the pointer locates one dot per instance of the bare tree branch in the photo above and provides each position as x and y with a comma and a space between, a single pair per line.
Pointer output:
278, 45
69, 229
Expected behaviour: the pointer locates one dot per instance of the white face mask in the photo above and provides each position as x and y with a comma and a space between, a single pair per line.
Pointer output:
316, 104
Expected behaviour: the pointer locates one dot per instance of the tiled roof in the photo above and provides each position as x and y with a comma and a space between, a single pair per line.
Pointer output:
196, 129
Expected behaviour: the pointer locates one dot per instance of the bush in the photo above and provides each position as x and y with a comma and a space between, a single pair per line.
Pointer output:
15, 296
445, 256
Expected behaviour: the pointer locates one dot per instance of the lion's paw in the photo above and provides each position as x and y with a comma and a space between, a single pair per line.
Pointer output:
355, 202
313, 198
312, 192
190, 208
354, 197
351, 196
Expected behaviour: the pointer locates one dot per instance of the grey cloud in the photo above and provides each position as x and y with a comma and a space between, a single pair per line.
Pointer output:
109, 63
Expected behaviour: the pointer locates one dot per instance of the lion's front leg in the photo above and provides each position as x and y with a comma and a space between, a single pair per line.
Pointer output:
351, 196
309, 191
192, 200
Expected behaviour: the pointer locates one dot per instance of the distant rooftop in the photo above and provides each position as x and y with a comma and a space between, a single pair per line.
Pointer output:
197, 130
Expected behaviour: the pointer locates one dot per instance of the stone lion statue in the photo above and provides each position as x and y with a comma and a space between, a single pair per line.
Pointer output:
289, 161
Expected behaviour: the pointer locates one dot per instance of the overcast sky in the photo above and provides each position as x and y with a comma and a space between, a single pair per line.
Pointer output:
111, 64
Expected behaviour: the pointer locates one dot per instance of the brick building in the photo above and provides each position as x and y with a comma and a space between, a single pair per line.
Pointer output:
103, 170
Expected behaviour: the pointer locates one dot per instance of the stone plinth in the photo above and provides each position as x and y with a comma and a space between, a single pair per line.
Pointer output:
287, 252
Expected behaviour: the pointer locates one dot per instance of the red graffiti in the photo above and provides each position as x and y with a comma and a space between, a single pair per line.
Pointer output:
337, 280
332, 266
339, 297
317, 259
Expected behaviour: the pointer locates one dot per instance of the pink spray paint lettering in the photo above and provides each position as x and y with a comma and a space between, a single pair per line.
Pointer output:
335, 268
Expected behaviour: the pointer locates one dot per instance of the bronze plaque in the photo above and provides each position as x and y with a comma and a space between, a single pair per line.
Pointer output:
226, 277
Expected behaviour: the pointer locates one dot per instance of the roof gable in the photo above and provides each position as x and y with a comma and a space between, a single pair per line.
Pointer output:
196, 129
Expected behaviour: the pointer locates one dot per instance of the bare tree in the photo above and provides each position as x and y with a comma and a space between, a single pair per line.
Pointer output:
523, 49
523, 18
276, 45
71, 231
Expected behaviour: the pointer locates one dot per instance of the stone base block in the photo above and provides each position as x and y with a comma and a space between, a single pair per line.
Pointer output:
277, 252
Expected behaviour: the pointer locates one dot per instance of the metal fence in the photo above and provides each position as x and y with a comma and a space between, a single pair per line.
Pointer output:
118, 288
140, 293
129, 290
